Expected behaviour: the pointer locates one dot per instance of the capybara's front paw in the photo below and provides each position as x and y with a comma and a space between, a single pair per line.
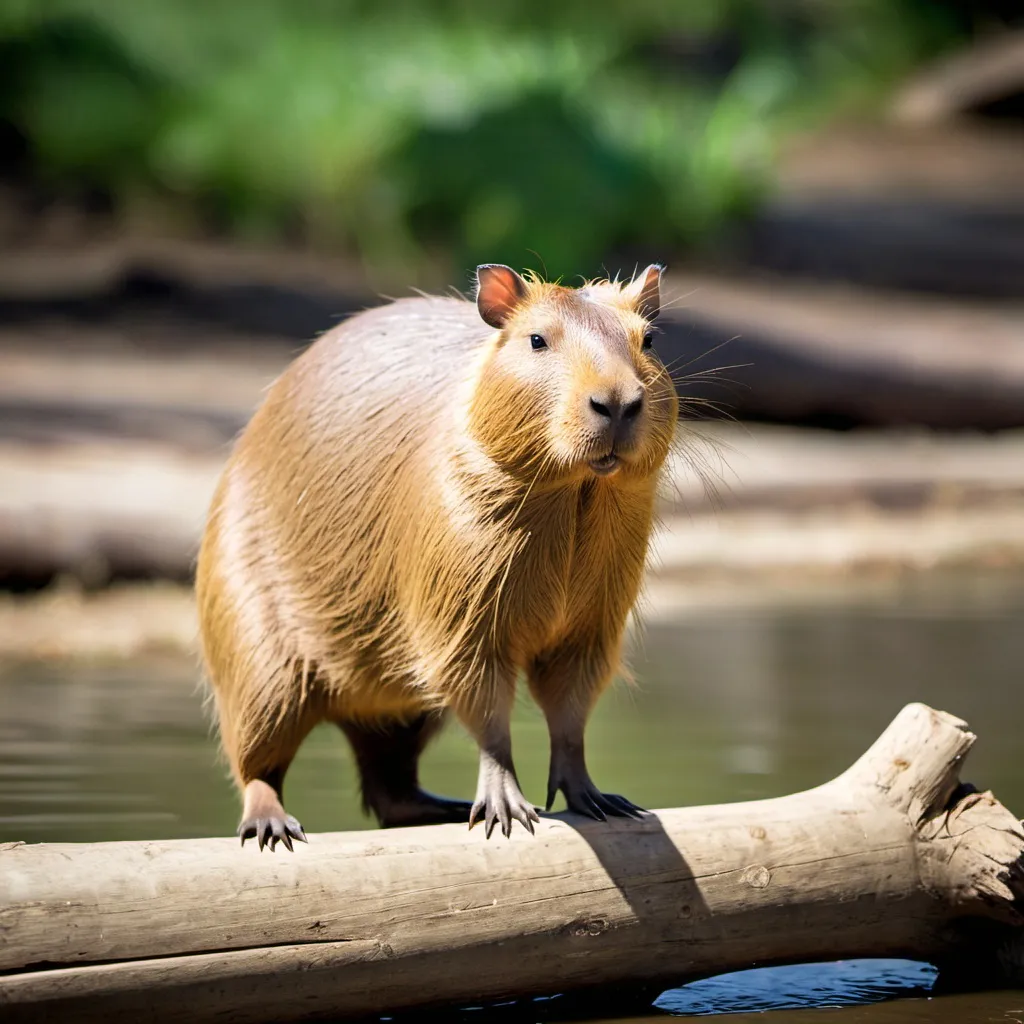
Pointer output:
270, 831
499, 799
265, 820
583, 797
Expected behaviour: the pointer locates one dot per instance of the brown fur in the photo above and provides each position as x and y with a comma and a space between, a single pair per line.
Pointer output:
410, 520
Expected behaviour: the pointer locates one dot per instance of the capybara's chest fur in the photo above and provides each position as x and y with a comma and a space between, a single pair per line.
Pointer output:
398, 619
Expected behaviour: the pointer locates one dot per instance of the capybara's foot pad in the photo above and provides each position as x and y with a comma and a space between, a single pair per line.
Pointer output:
423, 808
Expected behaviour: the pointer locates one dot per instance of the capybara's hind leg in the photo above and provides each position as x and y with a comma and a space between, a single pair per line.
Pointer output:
387, 755
261, 741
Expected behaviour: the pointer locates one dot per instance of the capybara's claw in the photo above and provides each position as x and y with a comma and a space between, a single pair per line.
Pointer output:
502, 805
624, 808
583, 797
270, 831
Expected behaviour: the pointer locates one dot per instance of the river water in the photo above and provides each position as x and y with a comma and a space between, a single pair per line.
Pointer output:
735, 699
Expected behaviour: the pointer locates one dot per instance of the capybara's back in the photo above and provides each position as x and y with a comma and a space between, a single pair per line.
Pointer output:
434, 497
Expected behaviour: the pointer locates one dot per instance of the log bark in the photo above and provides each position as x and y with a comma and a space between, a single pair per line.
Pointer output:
893, 858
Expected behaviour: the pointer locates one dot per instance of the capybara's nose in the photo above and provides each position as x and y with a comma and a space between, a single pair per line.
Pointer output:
615, 413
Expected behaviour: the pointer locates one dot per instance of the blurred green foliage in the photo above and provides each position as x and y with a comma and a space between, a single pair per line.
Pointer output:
451, 133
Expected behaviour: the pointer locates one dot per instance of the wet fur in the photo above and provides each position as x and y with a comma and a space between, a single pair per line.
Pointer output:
408, 522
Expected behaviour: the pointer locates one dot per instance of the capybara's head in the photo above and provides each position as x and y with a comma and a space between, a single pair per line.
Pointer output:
571, 385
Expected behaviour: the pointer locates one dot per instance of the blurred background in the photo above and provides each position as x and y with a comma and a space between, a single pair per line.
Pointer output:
190, 193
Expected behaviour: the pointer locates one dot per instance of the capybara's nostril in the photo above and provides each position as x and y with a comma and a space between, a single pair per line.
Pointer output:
601, 408
632, 409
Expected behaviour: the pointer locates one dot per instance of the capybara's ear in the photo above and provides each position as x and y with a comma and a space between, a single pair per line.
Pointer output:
499, 289
644, 291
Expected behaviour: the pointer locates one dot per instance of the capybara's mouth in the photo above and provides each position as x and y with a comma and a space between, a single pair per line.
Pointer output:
606, 465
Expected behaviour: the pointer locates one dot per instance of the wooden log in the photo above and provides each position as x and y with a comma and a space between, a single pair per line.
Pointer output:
829, 356
893, 858
796, 352
984, 76
936, 209
96, 511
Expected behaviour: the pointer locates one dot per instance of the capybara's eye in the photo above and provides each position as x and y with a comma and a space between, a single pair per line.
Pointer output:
536, 341
648, 340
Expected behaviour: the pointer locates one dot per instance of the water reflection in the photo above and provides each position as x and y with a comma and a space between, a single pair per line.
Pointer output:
845, 983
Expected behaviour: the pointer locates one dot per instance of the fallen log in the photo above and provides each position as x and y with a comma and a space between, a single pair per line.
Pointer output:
933, 208
790, 352
101, 511
986, 76
893, 858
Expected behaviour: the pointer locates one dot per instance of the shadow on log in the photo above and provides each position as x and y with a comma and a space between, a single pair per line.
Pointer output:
896, 857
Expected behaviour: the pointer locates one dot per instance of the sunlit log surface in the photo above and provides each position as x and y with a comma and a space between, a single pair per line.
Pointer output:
893, 858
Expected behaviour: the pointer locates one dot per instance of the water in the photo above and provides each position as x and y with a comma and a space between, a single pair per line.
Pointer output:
735, 701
